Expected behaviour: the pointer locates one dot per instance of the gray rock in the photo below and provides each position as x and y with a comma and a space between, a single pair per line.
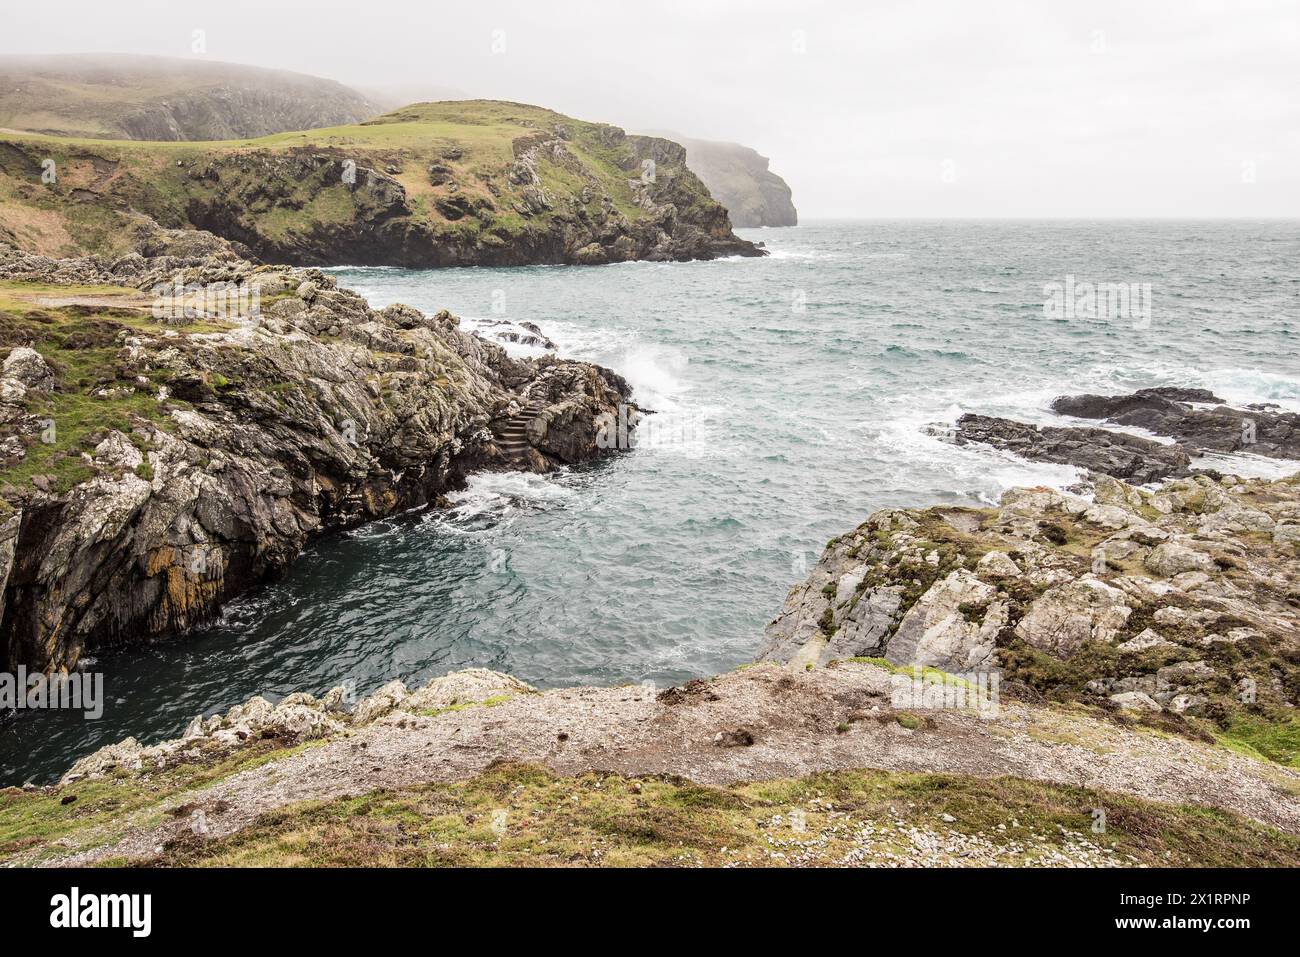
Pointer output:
277, 436
1136, 701
1065, 617
936, 631
997, 565
1145, 640
469, 686
1117, 454
388, 698
1174, 558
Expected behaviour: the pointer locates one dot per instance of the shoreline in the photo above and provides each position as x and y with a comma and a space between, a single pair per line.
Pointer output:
836, 711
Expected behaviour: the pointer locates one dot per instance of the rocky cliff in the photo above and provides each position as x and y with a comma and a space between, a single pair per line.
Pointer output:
739, 178
1148, 658
442, 184
173, 430
1178, 601
121, 96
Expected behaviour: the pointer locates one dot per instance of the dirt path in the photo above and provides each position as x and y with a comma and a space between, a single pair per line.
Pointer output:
800, 723
140, 302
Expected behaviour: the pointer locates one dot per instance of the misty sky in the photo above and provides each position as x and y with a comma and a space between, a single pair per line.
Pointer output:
943, 108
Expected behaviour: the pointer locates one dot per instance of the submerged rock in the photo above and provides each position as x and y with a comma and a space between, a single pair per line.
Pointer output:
1169, 412
1118, 454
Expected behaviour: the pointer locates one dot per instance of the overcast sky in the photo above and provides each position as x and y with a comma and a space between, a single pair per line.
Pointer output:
867, 108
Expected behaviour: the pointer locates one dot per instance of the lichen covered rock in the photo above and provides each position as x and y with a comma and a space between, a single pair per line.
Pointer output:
210, 445
1180, 599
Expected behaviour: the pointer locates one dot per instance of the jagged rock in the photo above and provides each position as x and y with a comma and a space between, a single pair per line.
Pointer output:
1193, 704
125, 755
276, 435
936, 630
299, 722
337, 700
254, 711
1286, 534
997, 565
1147, 639
383, 701
26, 366
468, 686
592, 254
297, 718
117, 451
1167, 412
1047, 574
1117, 454
1185, 672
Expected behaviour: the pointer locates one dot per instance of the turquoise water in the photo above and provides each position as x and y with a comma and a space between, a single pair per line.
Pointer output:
790, 394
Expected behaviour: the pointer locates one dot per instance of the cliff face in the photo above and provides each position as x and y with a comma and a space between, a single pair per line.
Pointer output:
1179, 602
119, 96
459, 183
738, 177
151, 468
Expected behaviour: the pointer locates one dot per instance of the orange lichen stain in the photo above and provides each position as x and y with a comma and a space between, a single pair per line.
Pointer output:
160, 558
189, 591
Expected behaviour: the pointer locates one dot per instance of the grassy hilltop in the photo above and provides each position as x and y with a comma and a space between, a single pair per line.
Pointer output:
453, 183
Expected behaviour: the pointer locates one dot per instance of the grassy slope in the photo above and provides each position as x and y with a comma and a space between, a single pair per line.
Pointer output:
523, 815
80, 343
82, 213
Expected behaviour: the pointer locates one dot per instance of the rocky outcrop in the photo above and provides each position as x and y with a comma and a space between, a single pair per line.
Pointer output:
154, 467
1187, 594
739, 178
1116, 454
676, 219
297, 718
1260, 430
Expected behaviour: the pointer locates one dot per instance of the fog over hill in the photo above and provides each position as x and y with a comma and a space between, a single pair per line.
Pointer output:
123, 96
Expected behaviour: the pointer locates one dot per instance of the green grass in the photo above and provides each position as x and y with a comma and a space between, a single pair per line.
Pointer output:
94, 812
283, 206
491, 702
80, 344
1277, 741
924, 672
518, 815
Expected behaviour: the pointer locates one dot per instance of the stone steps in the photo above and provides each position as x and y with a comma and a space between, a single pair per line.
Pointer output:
512, 433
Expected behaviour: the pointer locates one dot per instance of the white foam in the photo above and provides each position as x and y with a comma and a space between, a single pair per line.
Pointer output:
1246, 465
977, 470
501, 493
1242, 387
